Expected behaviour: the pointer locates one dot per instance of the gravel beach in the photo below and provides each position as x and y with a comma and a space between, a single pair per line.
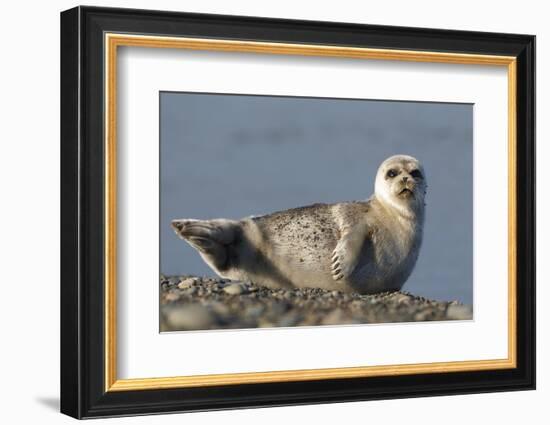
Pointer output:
199, 303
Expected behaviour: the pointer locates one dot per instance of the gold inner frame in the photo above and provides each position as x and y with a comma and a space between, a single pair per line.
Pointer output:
113, 41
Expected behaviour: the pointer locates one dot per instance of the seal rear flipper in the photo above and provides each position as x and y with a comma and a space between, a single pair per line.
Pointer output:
210, 237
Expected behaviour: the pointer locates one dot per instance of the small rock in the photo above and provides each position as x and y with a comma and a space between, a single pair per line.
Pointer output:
459, 312
220, 308
234, 289
190, 291
423, 315
189, 317
402, 299
186, 283
172, 296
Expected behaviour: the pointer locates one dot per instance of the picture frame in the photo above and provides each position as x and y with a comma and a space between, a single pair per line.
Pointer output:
90, 40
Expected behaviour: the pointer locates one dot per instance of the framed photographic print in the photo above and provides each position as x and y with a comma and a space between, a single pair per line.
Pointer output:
261, 212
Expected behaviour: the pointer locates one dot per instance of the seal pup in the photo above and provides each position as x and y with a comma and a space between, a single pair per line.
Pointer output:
359, 246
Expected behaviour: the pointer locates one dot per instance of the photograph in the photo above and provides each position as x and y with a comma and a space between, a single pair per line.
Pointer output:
286, 211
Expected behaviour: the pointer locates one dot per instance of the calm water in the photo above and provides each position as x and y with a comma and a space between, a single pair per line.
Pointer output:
235, 156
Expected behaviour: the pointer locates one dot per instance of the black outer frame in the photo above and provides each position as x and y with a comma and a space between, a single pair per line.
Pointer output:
82, 219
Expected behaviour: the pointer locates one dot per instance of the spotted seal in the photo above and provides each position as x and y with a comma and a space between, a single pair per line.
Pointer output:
359, 246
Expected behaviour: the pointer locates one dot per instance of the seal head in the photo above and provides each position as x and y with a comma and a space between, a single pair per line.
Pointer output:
401, 184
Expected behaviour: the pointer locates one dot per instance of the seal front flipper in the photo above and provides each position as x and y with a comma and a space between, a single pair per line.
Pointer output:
348, 249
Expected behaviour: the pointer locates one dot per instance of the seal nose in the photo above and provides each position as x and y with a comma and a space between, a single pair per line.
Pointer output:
405, 178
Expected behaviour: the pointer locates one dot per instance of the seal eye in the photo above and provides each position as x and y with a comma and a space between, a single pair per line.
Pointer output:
391, 173
416, 174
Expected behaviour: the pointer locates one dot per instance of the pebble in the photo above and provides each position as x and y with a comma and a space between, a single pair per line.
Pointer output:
186, 283
459, 312
402, 299
172, 296
189, 317
220, 308
190, 291
234, 289
422, 315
